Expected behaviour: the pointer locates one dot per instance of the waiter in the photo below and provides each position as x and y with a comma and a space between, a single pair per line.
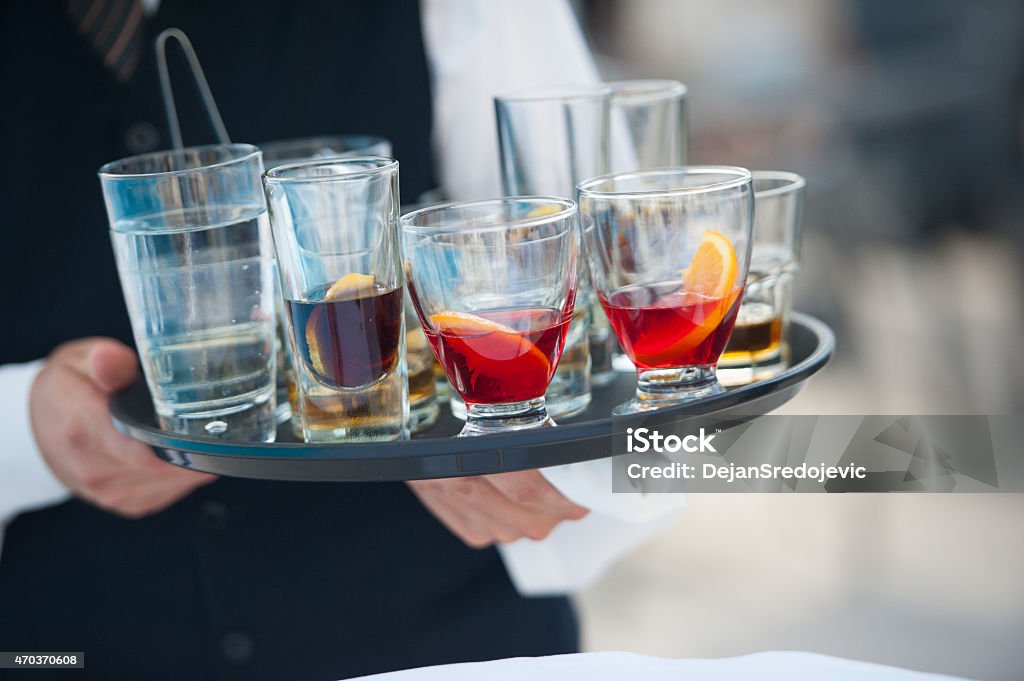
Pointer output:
163, 573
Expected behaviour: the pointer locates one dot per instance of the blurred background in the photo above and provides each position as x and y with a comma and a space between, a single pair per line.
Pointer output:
906, 118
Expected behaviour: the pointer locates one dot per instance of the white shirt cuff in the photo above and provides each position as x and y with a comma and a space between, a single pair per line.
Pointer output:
26, 482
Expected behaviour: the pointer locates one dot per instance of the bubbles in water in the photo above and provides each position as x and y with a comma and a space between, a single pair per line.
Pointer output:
216, 427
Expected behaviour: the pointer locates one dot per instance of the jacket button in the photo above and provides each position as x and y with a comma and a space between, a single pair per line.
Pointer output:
213, 516
236, 647
141, 136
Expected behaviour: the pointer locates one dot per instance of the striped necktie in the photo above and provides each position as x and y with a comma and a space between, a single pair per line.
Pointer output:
114, 29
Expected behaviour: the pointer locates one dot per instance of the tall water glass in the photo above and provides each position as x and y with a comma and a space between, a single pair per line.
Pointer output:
335, 232
194, 254
550, 139
757, 348
648, 124
279, 153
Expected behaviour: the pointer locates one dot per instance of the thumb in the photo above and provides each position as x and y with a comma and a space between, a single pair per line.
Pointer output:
111, 365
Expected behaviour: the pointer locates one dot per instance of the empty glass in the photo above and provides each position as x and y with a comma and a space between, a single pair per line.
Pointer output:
194, 254
757, 348
648, 124
550, 139
326, 146
668, 252
494, 286
335, 232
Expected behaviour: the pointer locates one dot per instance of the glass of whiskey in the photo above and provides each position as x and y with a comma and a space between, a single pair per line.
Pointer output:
757, 348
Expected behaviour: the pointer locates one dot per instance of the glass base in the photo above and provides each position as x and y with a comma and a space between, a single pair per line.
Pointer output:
487, 419
253, 421
283, 412
660, 388
562, 407
758, 368
359, 433
567, 406
423, 415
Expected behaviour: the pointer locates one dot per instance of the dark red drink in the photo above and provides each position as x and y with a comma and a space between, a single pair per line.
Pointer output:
500, 356
350, 342
663, 326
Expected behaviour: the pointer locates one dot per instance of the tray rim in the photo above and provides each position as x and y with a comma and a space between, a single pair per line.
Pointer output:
426, 447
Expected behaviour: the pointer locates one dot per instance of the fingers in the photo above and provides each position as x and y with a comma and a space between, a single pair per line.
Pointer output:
465, 527
136, 494
111, 365
510, 518
77, 439
532, 489
497, 508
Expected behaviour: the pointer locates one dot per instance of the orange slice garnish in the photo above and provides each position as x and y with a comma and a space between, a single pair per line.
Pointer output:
466, 324
349, 287
712, 273
352, 286
713, 269
504, 343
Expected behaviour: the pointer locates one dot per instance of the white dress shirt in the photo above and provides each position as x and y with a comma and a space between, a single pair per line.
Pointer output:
475, 49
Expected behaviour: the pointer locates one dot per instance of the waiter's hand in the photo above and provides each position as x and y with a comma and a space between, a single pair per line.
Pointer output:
485, 509
68, 406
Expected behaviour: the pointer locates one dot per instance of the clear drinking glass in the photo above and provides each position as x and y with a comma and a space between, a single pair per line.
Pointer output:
552, 138
326, 146
292, 151
195, 257
757, 348
648, 124
648, 130
494, 286
668, 252
335, 232
423, 406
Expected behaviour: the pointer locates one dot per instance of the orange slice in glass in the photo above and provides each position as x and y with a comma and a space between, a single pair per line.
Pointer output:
712, 273
503, 343
352, 286
713, 268
349, 287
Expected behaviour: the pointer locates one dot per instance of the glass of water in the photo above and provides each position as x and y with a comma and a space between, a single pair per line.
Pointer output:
194, 253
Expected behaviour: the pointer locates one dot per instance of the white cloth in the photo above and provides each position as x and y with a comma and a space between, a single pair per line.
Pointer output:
613, 666
576, 554
475, 49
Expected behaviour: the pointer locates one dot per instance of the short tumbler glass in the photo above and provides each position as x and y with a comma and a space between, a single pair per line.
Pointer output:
335, 231
196, 262
757, 348
668, 253
494, 286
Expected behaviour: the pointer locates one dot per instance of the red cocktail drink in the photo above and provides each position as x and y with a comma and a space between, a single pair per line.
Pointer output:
664, 326
499, 356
